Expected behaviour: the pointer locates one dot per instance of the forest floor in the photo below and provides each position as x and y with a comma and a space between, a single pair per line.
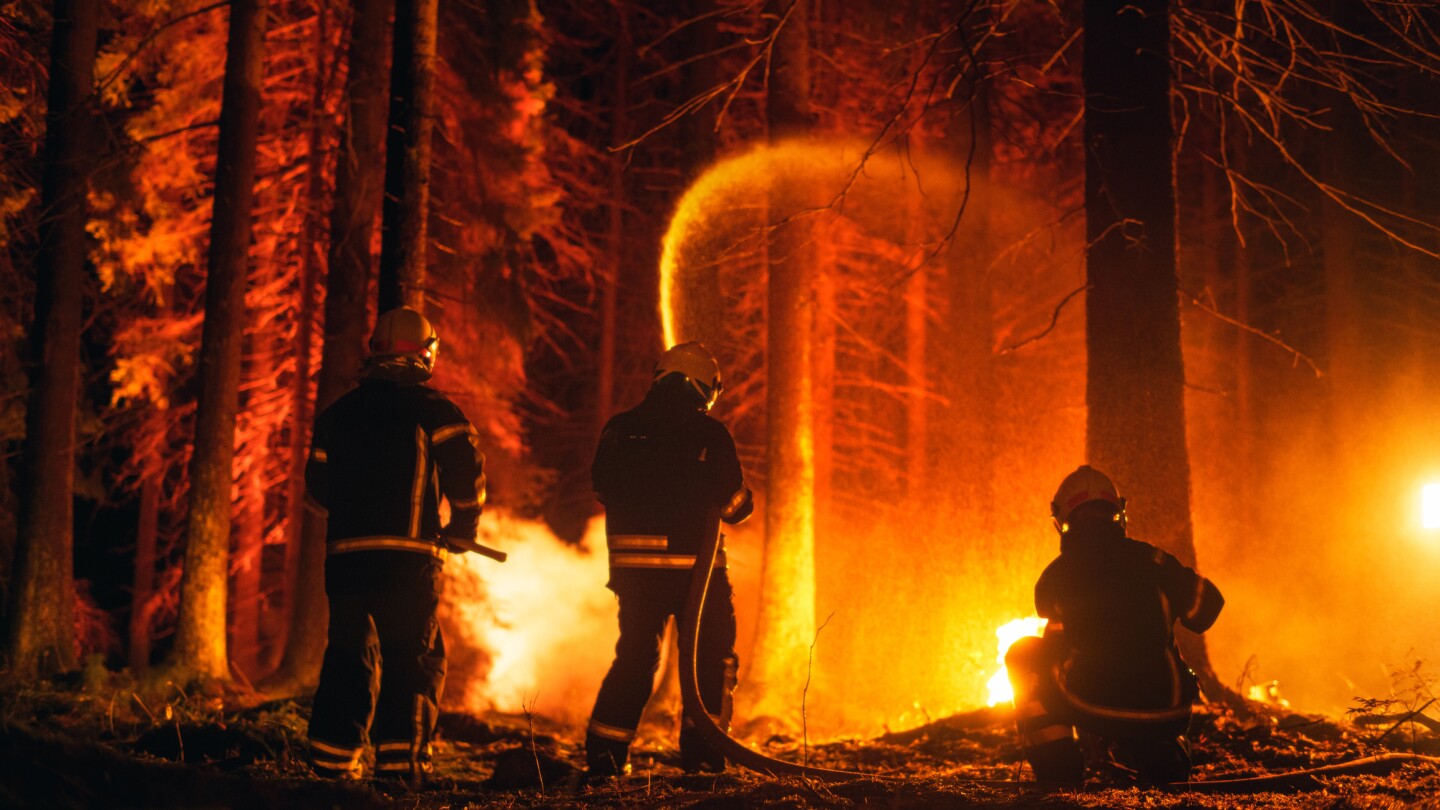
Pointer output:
98, 741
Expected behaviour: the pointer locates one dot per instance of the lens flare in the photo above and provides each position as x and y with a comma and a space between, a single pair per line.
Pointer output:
1008, 634
1430, 506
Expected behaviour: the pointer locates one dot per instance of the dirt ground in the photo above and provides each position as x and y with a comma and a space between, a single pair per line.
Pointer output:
103, 743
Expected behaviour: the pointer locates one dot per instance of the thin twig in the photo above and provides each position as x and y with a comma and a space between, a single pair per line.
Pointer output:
530, 726
1054, 319
1295, 353
805, 693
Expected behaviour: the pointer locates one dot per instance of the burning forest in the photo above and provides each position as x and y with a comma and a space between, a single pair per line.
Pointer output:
719, 402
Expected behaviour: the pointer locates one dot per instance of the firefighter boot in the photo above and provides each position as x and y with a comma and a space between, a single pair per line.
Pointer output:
605, 758
1162, 761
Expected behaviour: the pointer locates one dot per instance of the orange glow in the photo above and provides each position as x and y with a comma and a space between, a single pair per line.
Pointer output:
1008, 634
543, 618
1430, 506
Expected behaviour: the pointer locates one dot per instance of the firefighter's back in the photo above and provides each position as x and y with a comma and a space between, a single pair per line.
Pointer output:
377, 445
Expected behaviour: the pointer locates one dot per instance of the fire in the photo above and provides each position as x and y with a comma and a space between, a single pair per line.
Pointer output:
1268, 693
1009, 633
543, 619
1430, 506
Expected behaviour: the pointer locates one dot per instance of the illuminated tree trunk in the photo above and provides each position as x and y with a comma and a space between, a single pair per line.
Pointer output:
358, 184
786, 622
249, 549
407, 156
300, 386
1353, 387
200, 648
1135, 394
697, 145
962, 454
917, 402
142, 603
40, 638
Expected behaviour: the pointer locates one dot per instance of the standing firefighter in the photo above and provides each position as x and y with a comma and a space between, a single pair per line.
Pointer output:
383, 457
1108, 662
667, 474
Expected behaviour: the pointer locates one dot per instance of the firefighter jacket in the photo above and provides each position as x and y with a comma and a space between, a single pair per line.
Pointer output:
381, 458
1112, 603
667, 474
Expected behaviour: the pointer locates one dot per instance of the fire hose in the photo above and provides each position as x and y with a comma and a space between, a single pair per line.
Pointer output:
746, 757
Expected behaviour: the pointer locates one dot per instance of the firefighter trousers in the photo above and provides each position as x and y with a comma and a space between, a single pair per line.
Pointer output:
647, 600
1153, 743
385, 662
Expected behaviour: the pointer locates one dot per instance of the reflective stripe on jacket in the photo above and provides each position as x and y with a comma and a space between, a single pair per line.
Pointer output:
382, 457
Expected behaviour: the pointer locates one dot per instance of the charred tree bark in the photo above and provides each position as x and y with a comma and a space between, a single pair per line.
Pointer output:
786, 622
1135, 390
200, 648
40, 638
407, 156
358, 185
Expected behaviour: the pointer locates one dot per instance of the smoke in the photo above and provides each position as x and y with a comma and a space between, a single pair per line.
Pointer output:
535, 633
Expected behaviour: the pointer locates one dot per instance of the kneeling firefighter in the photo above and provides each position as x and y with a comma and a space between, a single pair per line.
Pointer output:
667, 474
1108, 663
382, 457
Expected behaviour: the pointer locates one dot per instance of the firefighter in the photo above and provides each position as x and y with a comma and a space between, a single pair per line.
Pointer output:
1108, 664
382, 457
667, 474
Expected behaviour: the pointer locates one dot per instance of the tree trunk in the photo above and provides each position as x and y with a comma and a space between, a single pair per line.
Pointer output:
1135, 393
301, 409
142, 601
200, 632
786, 622
615, 236
358, 179
407, 156
249, 551
962, 453
41, 632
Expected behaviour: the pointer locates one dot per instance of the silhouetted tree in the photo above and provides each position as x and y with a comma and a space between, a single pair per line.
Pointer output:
41, 632
406, 204
1135, 391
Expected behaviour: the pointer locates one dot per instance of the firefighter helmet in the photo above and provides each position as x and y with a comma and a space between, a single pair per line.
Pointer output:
404, 335
697, 365
1085, 485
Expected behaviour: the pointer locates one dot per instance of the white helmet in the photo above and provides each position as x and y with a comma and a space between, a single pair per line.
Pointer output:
404, 335
697, 365
1085, 485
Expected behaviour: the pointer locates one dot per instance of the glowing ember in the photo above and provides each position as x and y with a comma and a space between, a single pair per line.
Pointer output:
1009, 633
1430, 506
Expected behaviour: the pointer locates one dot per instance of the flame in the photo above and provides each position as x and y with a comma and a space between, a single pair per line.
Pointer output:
1430, 506
1269, 693
543, 620
1009, 633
